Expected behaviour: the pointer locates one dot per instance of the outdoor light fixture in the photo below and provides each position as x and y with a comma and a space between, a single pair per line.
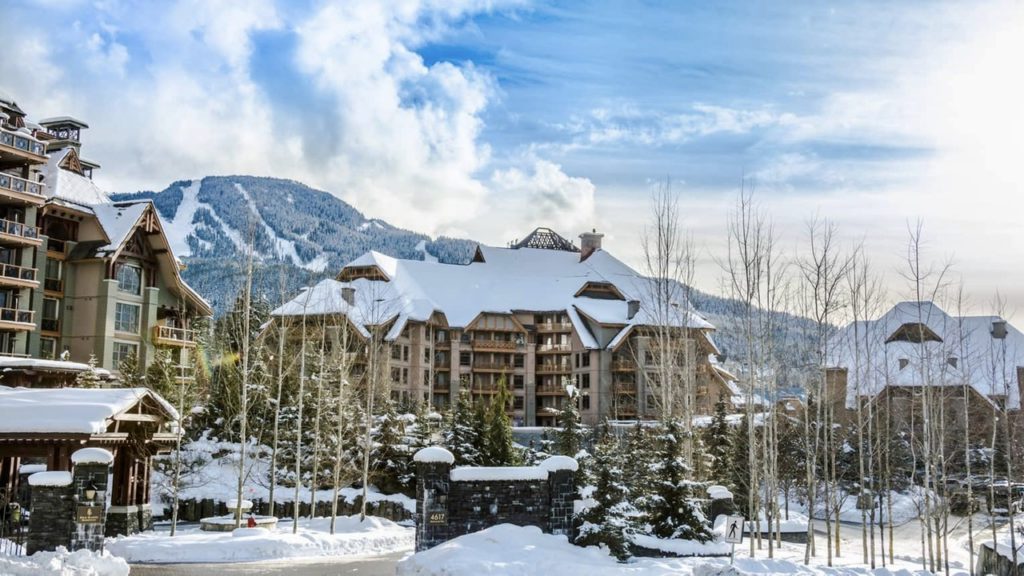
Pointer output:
90, 491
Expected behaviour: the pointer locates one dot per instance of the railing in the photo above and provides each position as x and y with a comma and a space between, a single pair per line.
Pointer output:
553, 368
50, 324
504, 366
550, 390
554, 327
18, 272
554, 348
625, 389
15, 315
443, 344
623, 366
494, 344
442, 364
174, 336
483, 389
15, 355
20, 185
19, 229
55, 245
22, 142
53, 284
442, 385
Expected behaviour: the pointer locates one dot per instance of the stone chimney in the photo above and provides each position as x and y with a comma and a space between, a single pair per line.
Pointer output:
999, 329
632, 307
348, 294
589, 243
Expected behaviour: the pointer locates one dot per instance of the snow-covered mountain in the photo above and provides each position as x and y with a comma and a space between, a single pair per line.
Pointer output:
299, 233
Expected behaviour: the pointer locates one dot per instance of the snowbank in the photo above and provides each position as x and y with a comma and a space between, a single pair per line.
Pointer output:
351, 538
64, 563
682, 547
750, 566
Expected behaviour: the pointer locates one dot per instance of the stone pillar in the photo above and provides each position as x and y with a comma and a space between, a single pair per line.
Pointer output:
53, 509
90, 473
433, 483
562, 487
147, 319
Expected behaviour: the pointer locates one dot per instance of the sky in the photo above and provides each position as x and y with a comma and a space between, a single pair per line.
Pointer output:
487, 118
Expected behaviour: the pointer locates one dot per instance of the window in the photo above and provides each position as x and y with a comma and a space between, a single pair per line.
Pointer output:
126, 318
517, 381
586, 403
585, 381
51, 311
129, 279
405, 353
123, 350
48, 348
465, 358
53, 275
585, 358
396, 352
517, 361
517, 402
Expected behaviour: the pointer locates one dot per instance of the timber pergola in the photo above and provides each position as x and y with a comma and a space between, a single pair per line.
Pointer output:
52, 423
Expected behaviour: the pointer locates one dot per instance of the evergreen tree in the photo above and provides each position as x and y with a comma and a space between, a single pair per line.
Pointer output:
568, 440
607, 523
161, 375
390, 456
460, 434
737, 469
480, 432
88, 378
500, 448
132, 375
674, 511
718, 446
639, 467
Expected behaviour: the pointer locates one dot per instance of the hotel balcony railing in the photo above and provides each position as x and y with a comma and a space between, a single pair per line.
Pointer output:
550, 390
623, 366
553, 368
171, 336
442, 385
484, 389
20, 230
554, 348
494, 366
50, 325
55, 245
20, 275
625, 389
22, 143
19, 316
554, 327
495, 345
21, 186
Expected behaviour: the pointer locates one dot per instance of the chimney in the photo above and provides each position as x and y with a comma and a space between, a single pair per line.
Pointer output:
632, 307
589, 242
999, 329
904, 362
348, 294
953, 361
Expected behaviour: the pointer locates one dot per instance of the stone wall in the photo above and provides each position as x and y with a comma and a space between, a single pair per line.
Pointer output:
447, 508
51, 522
193, 510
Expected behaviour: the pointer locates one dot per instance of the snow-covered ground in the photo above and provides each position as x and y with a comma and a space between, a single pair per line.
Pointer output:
906, 506
63, 563
212, 472
514, 550
352, 538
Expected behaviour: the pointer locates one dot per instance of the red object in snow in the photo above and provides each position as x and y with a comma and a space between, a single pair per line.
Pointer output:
252, 522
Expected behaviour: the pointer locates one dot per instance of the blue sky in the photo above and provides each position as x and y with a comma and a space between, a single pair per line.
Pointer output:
487, 118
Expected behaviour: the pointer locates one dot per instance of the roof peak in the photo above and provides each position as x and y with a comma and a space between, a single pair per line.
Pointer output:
545, 239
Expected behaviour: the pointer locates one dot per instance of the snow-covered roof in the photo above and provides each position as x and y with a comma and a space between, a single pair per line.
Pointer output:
68, 185
69, 410
92, 456
118, 221
956, 349
506, 281
56, 478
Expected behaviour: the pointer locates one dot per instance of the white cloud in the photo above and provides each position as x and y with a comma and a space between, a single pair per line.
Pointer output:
545, 196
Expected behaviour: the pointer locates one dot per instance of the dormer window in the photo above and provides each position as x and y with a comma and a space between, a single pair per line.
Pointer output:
913, 332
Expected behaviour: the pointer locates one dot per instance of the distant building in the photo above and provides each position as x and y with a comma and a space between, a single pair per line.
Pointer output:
890, 361
540, 314
79, 274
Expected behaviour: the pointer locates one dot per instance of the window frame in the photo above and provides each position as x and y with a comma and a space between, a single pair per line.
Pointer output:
138, 278
117, 317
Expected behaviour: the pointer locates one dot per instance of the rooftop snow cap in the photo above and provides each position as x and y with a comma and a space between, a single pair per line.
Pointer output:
92, 456
590, 242
434, 454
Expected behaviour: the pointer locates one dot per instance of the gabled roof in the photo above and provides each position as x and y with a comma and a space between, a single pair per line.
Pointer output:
67, 185
503, 281
71, 410
957, 349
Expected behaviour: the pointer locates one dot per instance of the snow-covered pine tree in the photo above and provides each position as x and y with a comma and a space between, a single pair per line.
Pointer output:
568, 439
607, 523
673, 510
738, 468
639, 468
460, 434
132, 375
500, 448
718, 445
480, 431
88, 378
390, 456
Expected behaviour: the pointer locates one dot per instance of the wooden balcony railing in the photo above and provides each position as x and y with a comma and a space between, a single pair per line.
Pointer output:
623, 366
22, 143
20, 231
554, 348
499, 345
493, 366
554, 327
17, 316
18, 185
171, 336
18, 275
550, 390
629, 389
553, 369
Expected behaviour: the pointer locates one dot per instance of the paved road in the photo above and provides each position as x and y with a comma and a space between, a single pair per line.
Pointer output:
378, 566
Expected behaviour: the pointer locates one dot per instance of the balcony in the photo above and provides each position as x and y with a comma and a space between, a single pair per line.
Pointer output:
170, 336
19, 276
56, 246
553, 369
492, 367
554, 327
49, 325
442, 344
629, 389
623, 366
550, 391
14, 319
53, 285
484, 389
495, 345
554, 348
22, 189
21, 146
442, 386
19, 233
442, 364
